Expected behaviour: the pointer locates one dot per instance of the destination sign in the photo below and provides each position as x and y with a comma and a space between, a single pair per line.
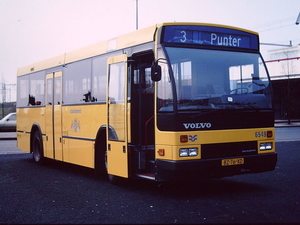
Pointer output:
210, 36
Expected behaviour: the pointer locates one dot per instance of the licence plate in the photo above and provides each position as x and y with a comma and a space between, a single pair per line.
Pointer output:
231, 162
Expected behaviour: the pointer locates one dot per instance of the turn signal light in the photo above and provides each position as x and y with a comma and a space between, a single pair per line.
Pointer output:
184, 138
269, 133
161, 152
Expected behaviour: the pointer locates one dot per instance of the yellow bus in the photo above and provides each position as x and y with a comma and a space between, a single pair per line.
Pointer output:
173, 101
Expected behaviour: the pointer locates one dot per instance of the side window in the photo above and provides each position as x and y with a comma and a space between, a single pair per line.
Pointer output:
23, 91
99, 78
77, 82
37, 85
31, 89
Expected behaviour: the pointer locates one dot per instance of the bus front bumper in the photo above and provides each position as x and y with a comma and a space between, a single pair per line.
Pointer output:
168, 170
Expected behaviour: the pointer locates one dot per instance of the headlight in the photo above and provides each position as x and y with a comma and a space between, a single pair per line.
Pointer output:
185, 152
266, 146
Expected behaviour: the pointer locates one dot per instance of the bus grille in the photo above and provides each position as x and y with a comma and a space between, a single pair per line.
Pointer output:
211, 151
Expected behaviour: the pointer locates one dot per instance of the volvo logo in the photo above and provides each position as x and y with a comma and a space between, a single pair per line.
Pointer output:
193, 138
196, 125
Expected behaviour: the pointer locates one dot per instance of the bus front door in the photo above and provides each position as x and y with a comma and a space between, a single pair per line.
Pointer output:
53, 116
117, 109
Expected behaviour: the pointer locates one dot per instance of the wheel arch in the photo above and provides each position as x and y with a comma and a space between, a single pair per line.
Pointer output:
99, 152
102, 135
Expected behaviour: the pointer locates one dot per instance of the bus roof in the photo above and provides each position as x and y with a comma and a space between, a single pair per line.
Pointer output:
124, 41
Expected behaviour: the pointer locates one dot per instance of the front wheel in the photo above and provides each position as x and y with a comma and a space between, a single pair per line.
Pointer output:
37, 147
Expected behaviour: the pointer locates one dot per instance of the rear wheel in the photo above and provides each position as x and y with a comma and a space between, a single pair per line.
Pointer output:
37, 147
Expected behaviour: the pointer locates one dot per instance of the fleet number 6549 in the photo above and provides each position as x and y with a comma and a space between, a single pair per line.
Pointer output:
259, 134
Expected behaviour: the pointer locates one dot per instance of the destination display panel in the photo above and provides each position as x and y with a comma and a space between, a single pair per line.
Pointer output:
210, 36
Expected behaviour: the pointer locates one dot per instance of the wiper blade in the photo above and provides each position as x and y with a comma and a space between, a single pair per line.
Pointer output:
243, 104
195, 107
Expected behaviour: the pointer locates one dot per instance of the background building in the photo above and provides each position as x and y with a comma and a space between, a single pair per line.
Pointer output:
284, 69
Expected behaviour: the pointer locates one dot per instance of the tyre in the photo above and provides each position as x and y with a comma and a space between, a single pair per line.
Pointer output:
100, 151
37, 147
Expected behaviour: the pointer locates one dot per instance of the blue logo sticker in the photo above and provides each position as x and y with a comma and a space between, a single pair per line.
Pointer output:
75, 126
193, 138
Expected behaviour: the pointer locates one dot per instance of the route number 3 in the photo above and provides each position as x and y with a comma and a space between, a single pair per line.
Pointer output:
183, 39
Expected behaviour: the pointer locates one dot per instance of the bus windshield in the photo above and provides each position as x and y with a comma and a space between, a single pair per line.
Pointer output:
211, 80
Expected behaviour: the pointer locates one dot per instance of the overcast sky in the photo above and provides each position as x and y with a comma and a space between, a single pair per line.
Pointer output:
33, 30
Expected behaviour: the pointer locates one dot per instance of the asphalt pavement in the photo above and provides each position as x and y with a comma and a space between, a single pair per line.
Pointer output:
60, 193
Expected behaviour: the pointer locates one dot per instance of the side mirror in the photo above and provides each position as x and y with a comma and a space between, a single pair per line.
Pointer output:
155, 72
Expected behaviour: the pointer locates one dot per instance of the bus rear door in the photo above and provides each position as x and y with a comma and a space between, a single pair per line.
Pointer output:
53, 116
117, 110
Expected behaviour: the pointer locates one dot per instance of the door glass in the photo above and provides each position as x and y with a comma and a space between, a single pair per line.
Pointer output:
116, 83
116, 98
49, 91
57, 91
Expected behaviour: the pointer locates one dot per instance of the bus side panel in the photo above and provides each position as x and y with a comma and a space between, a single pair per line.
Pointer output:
26, 117
79, 152
80, 126
23, 138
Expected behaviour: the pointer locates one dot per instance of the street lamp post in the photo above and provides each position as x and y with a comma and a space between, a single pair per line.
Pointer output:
137, 14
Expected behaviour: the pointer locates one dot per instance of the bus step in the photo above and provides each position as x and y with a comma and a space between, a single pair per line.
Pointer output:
151, 166
149, 176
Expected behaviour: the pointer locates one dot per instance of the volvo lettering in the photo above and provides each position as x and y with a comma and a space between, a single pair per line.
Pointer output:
196, 125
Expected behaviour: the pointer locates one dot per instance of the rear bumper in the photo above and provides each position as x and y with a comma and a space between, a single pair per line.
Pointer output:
167, 170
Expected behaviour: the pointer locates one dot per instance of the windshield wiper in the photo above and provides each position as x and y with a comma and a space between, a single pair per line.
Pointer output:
242, 104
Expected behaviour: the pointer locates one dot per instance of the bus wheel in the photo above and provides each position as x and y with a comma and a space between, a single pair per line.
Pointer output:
37, 148
100, 167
